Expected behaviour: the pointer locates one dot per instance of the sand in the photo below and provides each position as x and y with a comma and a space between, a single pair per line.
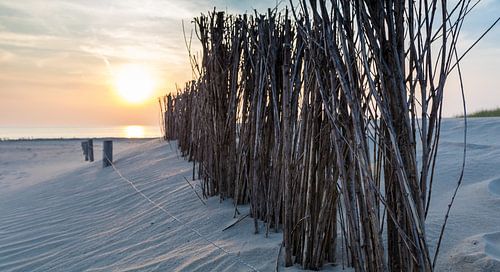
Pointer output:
59, 213
89, 219
24, 163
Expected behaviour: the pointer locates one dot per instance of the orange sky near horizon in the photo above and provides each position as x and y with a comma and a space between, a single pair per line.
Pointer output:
89, 99
60, 59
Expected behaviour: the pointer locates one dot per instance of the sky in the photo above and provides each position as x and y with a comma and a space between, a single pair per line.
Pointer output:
60, 59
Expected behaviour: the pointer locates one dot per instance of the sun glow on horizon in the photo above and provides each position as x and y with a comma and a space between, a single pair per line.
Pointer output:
134, 84
134, 131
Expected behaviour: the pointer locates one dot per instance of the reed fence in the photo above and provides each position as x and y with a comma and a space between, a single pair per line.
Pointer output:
325, 118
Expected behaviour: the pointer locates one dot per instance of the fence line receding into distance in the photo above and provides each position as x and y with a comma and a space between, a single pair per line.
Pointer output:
312, 116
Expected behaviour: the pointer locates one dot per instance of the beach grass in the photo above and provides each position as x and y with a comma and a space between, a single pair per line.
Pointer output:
485, 113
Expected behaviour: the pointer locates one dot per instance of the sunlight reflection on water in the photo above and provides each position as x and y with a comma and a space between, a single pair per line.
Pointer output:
134, 131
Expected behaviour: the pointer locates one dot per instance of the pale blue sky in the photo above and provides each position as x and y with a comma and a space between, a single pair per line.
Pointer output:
56, 57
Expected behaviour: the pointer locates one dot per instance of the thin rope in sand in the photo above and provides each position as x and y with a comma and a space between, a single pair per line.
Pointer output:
178, 220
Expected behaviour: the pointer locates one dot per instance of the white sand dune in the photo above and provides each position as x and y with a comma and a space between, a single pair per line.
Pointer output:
475, 217
476, 249
89, 219
25, 163
58, 213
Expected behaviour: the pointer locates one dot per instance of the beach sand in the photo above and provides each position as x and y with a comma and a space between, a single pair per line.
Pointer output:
60, 213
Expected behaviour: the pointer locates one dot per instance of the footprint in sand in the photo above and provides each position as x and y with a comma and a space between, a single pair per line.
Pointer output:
477, 253
494, 187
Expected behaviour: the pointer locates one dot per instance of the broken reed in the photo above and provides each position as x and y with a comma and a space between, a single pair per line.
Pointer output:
313, 119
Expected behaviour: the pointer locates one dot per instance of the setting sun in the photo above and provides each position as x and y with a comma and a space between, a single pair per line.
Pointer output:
134, 84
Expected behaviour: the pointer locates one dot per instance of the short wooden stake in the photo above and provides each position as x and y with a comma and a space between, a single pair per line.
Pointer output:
107, 153
85, 150
90, 148
165, 125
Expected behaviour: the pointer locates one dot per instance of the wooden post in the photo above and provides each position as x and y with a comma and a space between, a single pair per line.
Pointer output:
107, 153
165, 125
85, 150
90, 149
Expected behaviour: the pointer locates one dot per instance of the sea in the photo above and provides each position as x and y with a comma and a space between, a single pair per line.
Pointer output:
16, 133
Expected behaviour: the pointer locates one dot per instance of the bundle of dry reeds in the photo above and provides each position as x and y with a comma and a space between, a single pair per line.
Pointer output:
325, 119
